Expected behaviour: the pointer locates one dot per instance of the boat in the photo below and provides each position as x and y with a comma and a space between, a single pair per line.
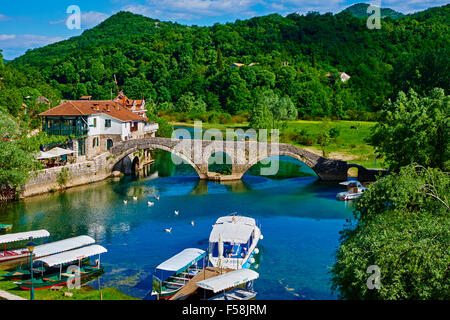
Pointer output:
16, 254
5, 227
235, 285
233, 241
49, 249
60, 259
173, 274
354, 190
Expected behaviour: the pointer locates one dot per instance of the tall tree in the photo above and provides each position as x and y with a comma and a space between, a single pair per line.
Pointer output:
415, 130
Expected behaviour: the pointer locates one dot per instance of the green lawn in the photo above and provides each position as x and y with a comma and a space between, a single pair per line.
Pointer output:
350, 145
85, 293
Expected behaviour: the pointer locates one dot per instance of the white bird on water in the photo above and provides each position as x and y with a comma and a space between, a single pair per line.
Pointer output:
135, 198
168, 230
125, 201
177, 212
150, 204
192, 223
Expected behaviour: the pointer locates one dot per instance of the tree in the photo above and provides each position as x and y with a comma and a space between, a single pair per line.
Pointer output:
261, 117
415, 129
15, 161
403, 227
165, 128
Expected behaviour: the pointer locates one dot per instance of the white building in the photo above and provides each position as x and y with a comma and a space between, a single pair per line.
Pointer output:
95, 126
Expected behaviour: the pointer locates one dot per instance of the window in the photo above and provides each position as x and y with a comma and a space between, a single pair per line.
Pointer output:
95, 142
95, 122
82, 147
109, 144
107, 123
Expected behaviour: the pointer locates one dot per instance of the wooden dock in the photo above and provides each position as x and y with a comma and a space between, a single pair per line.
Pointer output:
190, 288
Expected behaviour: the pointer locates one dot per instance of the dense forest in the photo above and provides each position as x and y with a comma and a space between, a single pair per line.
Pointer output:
188, 69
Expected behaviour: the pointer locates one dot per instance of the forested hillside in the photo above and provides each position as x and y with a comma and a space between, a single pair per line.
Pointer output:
187, 68
360, 10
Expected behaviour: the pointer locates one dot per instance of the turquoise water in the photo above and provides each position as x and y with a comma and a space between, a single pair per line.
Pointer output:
299, 217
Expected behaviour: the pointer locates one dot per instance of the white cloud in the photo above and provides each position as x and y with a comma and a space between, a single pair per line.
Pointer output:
193, 9
410, 6
88, 19
7, 37
92, 18
26, 41
4, 18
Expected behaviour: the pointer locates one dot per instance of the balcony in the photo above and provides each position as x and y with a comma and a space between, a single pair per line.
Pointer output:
66, 131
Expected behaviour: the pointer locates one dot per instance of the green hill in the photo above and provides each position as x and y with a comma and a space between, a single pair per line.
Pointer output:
359, 10
186, 68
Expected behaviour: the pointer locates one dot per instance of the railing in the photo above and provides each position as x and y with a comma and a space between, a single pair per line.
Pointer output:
66, 131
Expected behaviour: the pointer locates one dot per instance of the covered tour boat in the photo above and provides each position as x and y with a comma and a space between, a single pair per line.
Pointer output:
354, 190
60, 259
15, 254
172, 275
233, 241
235, 285
46, 250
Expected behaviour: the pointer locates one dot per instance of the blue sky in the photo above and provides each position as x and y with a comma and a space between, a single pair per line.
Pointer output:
27, 24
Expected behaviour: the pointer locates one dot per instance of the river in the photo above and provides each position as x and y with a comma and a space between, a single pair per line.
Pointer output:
299, 217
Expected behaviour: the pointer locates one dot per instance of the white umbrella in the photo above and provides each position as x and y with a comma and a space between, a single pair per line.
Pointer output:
44, 155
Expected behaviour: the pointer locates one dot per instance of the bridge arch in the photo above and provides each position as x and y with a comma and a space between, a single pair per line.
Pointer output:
126, 153
293, 155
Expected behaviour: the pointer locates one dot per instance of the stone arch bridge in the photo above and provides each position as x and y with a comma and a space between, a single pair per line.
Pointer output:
243, 155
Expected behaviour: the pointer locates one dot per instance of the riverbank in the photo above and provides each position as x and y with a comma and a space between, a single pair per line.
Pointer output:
350, 145
84, 293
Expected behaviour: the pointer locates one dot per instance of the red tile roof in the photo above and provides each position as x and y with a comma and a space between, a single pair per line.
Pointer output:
88, 107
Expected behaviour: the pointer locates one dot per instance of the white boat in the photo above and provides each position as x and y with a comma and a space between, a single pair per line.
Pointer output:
9, 255
354, 190
173, 274
233, 241
232, 280
47, 249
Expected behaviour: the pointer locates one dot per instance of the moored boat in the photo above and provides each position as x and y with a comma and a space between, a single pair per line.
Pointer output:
233, 242
16, 254
173, 274
46, 250
354, 190
235, 285
60, 278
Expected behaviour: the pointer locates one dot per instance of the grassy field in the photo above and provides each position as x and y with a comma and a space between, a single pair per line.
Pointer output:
84, 293
350, 145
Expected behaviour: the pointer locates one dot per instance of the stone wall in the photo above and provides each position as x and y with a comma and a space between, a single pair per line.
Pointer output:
80, 173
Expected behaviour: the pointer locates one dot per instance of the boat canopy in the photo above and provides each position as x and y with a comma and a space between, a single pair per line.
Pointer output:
182, 260
21, 236
228, 280
73, 255
179, 262
235, 229
62, 245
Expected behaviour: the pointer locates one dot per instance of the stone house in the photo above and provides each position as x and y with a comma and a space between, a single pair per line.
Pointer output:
96, 126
